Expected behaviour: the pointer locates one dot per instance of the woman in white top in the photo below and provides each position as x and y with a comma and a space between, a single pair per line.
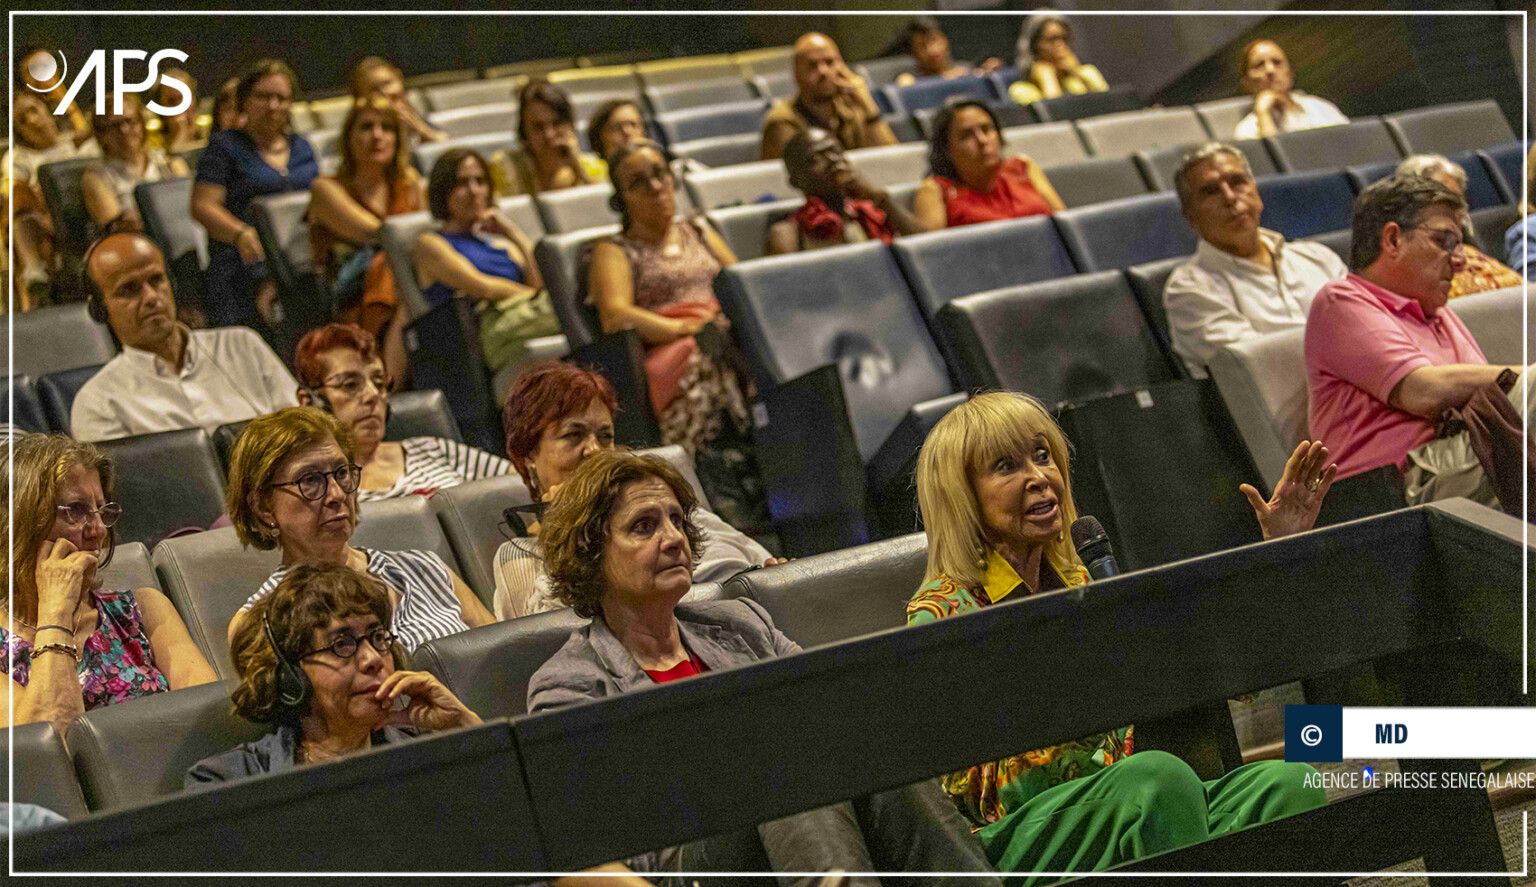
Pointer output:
127, 161
36, 141
1277, 106
556, 415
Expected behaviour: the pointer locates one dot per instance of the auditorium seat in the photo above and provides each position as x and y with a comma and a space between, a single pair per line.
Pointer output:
1361, 141
477, 120
745, 228
43, 773
130, 567
1302, 203
607, 78
903, 127
1121, 135
1495, 321
691, 93
165, 482
577, 209
64, 194
1127, 232
488, 668
840, 355
560, 260
944, 265
1008, 113
775, 85
137, 751
56, 391
330, 112
1090, 104
721, 150
419, 413
1263, 380
487, 143
280, 220
717, 120
325, 142
933, 92
881, 71
1482, 190
1490, 224
23, 409
744, 183
1147, 283
891, 164
1096, 180
166, 208
1506, 164
1073, 338
1338, 241
1162, 165
441, 78
472, 93
689, 70
1364, 175
830, 597
1048, 144
1222, 116
1447, 129
57, 337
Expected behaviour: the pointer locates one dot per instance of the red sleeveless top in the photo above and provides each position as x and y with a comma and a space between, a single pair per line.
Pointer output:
1012, 196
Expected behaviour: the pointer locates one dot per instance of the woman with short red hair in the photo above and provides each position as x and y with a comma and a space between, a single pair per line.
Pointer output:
340, 371
556, 415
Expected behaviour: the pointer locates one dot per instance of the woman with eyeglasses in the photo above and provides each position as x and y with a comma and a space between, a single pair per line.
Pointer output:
293, 479
128, 160
70, 644
340, 371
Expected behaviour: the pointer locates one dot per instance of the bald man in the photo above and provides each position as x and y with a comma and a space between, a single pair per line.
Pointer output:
830, 97
168, 376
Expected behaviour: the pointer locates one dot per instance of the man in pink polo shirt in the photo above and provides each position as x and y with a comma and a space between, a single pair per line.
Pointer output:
1385, 356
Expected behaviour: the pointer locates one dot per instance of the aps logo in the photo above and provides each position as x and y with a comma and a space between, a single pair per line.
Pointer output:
50, 70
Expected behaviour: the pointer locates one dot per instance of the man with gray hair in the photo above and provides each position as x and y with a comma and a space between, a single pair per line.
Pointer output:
1386, 357
1243, 280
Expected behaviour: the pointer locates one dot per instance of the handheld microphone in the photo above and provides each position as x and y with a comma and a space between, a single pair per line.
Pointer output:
1092, 545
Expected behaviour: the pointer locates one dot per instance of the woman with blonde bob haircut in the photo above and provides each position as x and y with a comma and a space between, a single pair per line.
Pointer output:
994, 488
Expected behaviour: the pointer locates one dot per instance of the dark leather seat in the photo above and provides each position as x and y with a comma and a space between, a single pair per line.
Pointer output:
489, 668
745, 228
136, 751
698, 93
27, 412
130, 567
1147, 283
1490, 223
944, 265
166, 208
1338, 241
1089, 104
842, 594
57, 337
560, 260
471, 518
721, 150
1122, 233
1069, 339
1447, 129
62, 190
57, 392
1361, 141
411, 414
165, 482
44, 774
280, 220
1303, 203
1096, 180
726, 119
1160, 166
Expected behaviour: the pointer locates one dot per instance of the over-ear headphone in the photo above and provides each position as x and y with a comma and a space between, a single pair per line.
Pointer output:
319, 400
95, 299
292, 687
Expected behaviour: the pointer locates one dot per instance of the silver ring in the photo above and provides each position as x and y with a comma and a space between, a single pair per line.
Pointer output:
1313, 484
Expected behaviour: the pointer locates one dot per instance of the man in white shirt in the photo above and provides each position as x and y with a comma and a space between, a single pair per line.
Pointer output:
1243, 280
168, 376
1277, 106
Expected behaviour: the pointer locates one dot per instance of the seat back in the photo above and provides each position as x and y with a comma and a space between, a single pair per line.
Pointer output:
1495, 320
560, 259
1263, 380
471, 93
1162, 165
136, 751
1096, 180
932, 92
57, 393
728, 150
1483, 191
1338, 241
608, 78
1303, 203
62, 191
944, 265
698, 93
1069, 339
165, 481
1147, 282
695, 69
1121, 135
487, 143
878, 72
43, 772
847, 307
891, 164
130, 567
1447, 129
1490, 225
826, 598
1048, 144
1223, 115
208, 577
744, 183
776, 85
471, 518
488, 668
1506, 164
404, 524
500, 118
1090, 104
398, 238
1360, 141
279, 219
1122, 233
26, 412
57, 337
576, 209
745, 228
325, 142
729, 118
166, 208
421, 413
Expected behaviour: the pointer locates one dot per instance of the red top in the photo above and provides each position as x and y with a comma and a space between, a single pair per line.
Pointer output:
685, 669
1012, 196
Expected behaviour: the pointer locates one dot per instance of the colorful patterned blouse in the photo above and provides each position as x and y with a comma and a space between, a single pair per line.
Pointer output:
1481, 274
116, 662
987, 792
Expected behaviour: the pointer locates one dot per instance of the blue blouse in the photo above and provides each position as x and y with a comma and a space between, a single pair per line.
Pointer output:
487, 258
233, 162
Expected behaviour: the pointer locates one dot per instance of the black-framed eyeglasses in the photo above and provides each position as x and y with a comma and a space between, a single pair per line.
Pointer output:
1445, 238
77, 513
352, 384
312, 486
346, 646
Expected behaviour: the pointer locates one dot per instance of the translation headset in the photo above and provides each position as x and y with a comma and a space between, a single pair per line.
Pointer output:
95, 299
319, 400
292, 688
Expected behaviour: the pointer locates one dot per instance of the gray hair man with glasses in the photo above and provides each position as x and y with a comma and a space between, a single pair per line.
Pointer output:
1243, 280
1385, 355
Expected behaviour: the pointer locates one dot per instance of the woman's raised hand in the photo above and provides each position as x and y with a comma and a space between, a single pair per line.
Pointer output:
1298, 494
432, 706
63, 574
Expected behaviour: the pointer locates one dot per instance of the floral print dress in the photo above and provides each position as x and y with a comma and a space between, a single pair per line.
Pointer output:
116, 663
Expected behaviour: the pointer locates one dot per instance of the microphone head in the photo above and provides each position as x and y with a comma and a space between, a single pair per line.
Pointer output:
1087, 530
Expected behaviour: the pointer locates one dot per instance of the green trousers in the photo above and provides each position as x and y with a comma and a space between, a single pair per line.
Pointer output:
1147, 803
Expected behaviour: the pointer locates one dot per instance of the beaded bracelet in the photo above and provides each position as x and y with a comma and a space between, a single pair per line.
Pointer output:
71, 649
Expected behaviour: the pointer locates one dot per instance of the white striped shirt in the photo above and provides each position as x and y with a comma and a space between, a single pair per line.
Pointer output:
428, 608
432, 463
